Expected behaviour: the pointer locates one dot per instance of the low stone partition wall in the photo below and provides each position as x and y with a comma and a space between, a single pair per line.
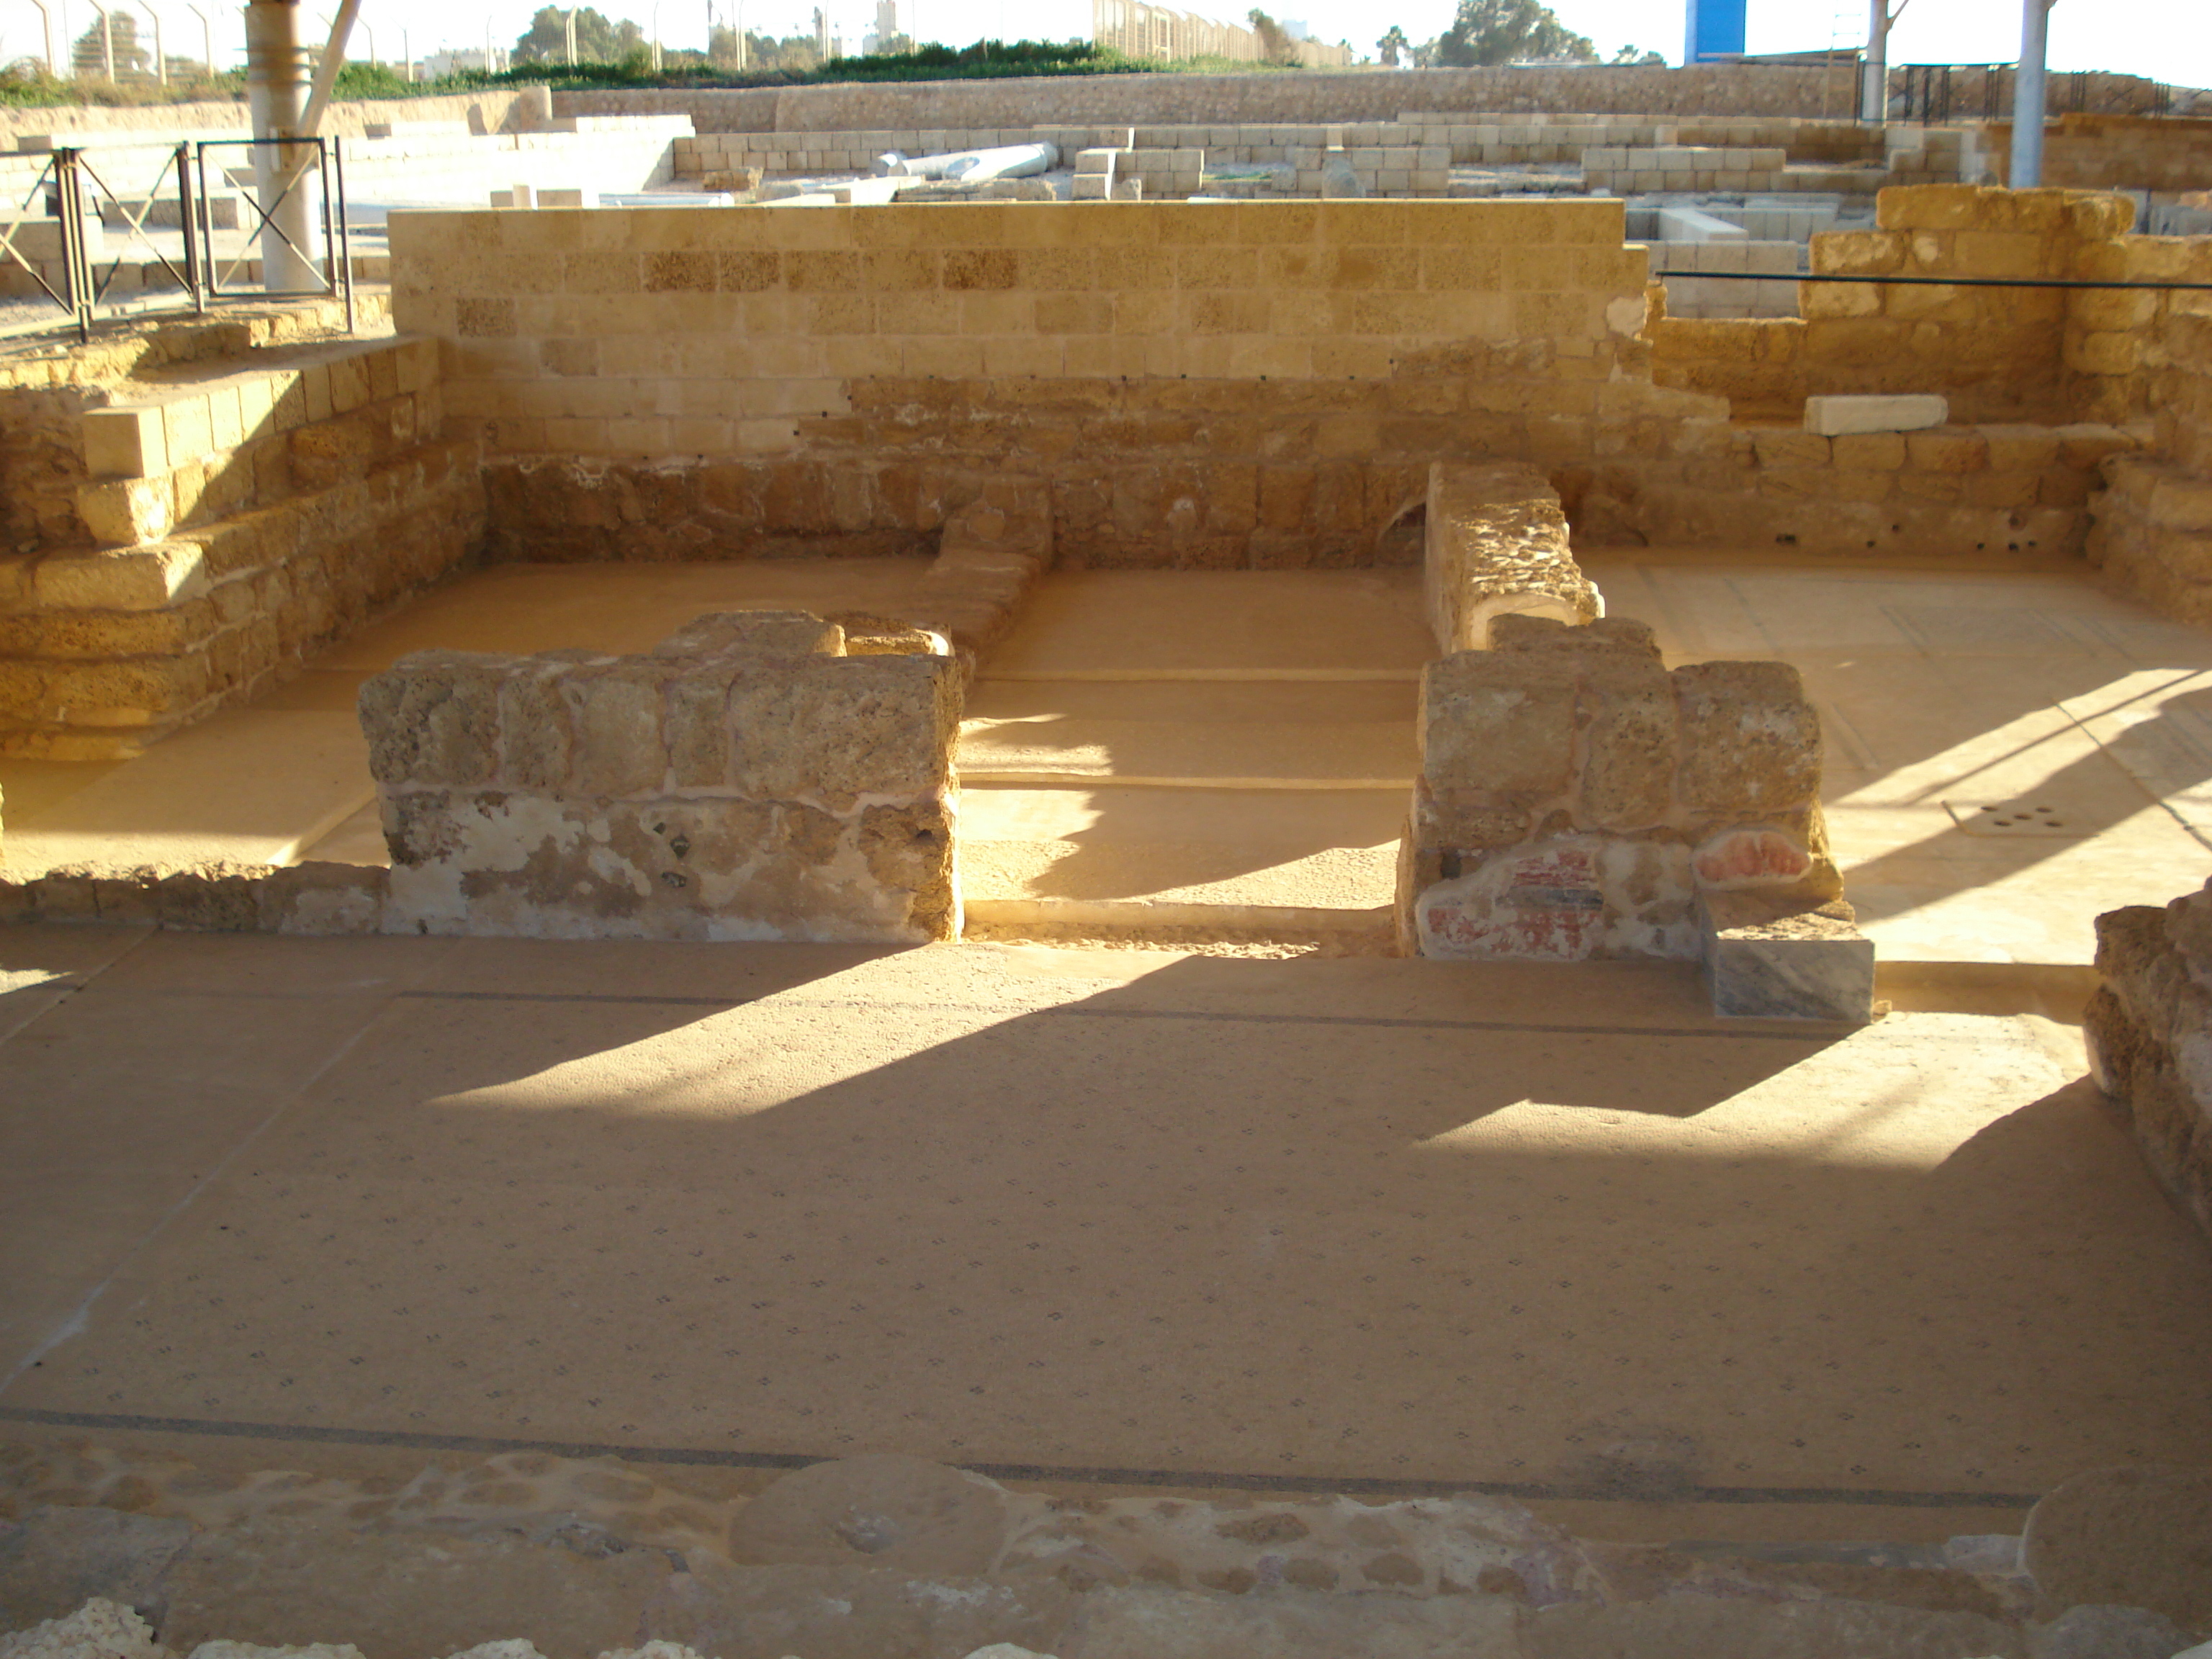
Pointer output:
1495, 544
2150, 1028
746, 780
1578, 800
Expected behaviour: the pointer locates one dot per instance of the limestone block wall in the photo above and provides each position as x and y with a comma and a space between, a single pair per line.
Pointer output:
1200, 384
2148, 1026
2153, 524
2114, 152
2013, 487
1373, 95
1578, 801
747, 781
227, 525
1999, 354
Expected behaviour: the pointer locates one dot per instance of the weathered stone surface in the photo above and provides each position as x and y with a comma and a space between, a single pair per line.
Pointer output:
101, 1629
1751, 741
835, 729
1564, 900
2146, 1029
398, 1594
1714, 1627
769, 1611
303, 1650
54, 1560
1140, 1623
1903, 412
884, 1509
1750, 858
1502, 724
2098, 1633
433, 718
2126, 1537
1497, 543
1786, 962
1516, 632
1626, 706
765, 635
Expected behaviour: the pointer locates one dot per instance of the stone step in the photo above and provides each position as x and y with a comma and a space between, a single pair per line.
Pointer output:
1117, 856
1190, 754
1220, 625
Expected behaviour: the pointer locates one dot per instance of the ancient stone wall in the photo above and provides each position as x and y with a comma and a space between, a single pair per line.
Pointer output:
1204, 383
1575, 796
747, 781
2148, 1026
2113, 152
2152, 528
2003, 487
1371, 95
221, 525
494, 109
1998, 353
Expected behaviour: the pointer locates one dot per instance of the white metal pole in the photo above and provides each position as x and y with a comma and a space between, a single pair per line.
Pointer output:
2027, 95
46, 18
207, 37
570, 25
160, 55
272, 85
106, 41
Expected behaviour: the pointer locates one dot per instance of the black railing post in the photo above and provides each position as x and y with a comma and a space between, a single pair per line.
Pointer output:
188, 221
76, 264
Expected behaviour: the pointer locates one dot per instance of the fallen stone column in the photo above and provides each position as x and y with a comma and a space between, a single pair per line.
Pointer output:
748, 780
1577, 801
974, 166
2150, 1033
1497, 545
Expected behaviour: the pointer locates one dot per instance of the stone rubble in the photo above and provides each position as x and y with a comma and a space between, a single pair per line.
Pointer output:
889, 1556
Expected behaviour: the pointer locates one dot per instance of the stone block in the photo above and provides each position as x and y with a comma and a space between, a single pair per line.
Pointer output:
1832, 416
432, 719
835, 729
1626, 707
1502, 723
1751, 740
1776, 962
127, 512
2135, 1537
1495, 542
125, 441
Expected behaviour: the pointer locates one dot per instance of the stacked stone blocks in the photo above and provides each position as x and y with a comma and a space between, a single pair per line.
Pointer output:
239, 521
747, 781
2150, 1028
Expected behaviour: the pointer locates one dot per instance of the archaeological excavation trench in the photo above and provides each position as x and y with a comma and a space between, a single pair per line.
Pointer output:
1408, 941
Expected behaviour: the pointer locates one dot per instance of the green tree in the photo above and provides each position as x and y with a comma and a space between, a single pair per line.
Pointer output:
132, 59
1488, 31
598, 40
1275, 47
1392, 44
1637, 58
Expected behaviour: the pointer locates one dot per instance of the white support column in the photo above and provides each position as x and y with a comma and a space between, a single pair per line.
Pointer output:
2027, 90
272, 96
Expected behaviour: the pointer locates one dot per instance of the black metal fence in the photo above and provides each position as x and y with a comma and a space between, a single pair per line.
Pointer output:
49, 238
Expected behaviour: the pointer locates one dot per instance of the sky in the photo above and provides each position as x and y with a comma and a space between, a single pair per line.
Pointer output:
2165, 40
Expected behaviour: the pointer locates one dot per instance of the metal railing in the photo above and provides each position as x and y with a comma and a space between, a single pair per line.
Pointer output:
73, 185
